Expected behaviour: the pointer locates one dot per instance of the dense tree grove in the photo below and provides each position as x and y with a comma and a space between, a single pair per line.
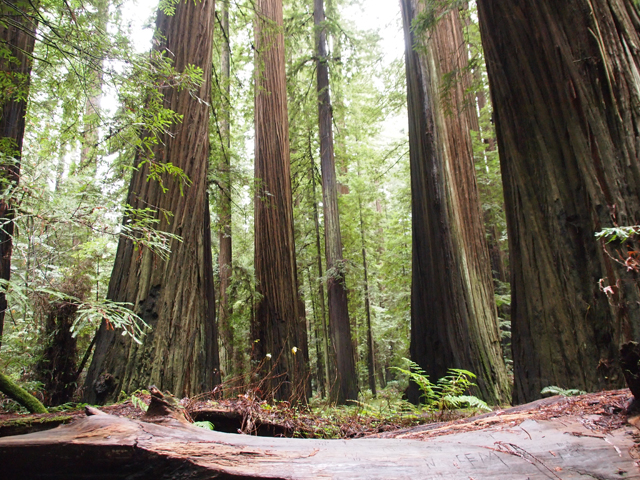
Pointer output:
277, 199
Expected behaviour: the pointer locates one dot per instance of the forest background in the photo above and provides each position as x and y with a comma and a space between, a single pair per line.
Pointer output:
95, 102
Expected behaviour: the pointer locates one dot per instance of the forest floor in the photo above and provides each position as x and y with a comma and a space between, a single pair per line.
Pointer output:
603, 411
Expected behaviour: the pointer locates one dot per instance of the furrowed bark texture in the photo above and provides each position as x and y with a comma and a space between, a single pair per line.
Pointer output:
453, 314
175, 297
278, 325
336, 287
566, 93
17, 40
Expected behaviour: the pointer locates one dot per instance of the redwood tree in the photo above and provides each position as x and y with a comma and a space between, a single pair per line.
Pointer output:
17, 40
347, 381
566, 93
175, 295
453, 313
224, 221
279, 328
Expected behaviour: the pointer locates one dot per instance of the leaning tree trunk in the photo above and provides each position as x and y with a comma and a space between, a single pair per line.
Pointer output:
277, 326
339, 323
565, 84
17, 40
453, 314
175, 297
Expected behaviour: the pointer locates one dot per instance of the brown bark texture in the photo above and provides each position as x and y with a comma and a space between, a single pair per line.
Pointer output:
57, 369
17, 40
279, 326
175, 297
339, 324
322, 305
224, 223
453, 314
565, 84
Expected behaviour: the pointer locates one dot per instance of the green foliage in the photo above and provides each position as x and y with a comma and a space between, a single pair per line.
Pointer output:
433, 11
620, 234
553, 390
204, 424
139, 403
448, 393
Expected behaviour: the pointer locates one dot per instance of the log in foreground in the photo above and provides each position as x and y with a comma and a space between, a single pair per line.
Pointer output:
109, 447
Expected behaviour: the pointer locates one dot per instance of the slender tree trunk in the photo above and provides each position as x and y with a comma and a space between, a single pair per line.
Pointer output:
175, 297
320, 375
94, 80
276, 328
453, 314
336, 287
17, 38
224, 222
565, 85
323, 311
367, 308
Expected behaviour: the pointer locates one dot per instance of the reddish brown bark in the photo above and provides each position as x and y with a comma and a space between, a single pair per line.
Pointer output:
279, 326
566, 95
339, 323
175, 297
453, 314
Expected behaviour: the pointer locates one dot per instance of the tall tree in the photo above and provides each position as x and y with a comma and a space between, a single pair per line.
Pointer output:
336, 287
173, 295
224, 222
278, 326
17, 40
566, 94
453, 313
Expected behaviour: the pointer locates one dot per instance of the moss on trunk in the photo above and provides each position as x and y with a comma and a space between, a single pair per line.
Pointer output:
20, 395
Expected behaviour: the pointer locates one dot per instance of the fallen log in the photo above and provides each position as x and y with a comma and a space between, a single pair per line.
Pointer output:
108, 447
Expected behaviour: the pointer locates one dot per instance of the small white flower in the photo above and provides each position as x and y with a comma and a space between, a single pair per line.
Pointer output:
294, 350
268, 355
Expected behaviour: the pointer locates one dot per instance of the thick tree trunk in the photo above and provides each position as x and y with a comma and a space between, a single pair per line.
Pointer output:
565, 84
277, 326
17, 40
339, 323
224, 222
175, 297
57, 369
453, 313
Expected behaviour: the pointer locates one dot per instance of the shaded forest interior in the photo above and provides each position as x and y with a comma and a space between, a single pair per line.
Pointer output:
273, 206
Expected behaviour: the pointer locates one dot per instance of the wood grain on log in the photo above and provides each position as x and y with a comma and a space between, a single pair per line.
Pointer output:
109, 447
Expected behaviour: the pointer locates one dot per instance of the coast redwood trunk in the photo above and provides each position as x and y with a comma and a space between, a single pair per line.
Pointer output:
565, 84
175, 297
279, 326
453, 314
17, 39
339, 324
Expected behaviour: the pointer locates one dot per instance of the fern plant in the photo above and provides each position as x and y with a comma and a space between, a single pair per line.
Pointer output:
449, 391
553, 390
